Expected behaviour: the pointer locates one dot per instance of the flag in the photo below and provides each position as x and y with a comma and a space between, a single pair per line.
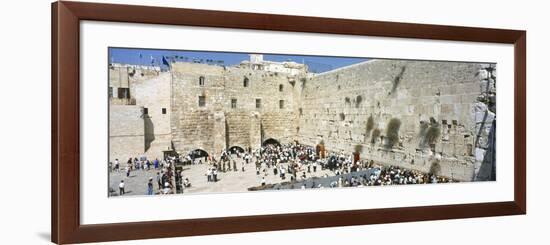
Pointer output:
165, 61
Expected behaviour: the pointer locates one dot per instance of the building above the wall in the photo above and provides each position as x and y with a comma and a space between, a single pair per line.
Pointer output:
257, 62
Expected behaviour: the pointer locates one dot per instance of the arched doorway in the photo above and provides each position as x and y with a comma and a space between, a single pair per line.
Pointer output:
271, 141
234, 149
198, 155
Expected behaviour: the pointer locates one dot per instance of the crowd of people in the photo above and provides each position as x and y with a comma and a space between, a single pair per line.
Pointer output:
292, 164
164, 177
374, 176
141, 163
293, 160
302, 160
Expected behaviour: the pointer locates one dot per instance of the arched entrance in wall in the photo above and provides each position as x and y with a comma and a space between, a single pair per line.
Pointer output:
198, 155
234, 149
271, 141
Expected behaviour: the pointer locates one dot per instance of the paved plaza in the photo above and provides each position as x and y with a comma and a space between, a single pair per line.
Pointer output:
229, 181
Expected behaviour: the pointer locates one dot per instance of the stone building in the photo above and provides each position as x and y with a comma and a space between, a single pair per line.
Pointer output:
216, 108
430, 116
138, 94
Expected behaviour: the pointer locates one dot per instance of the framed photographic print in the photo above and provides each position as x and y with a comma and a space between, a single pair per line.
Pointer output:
224, 122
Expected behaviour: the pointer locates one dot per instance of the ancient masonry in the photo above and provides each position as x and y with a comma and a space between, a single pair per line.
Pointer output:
430, 116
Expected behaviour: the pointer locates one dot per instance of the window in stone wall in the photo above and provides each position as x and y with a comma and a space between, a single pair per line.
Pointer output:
233, 103
110, 92
201, 81
123, 93
245, 82
163, 110
280, 88
281, 104
258, 103
202, 101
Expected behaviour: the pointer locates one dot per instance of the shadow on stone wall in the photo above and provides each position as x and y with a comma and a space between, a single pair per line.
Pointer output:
487, 170
149, 132
226, 133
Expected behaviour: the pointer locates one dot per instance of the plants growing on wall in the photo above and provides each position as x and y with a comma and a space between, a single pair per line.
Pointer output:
392, 132
397, 79
435, 168
358, 148
429, 132
375, 135
370, 124
342, 116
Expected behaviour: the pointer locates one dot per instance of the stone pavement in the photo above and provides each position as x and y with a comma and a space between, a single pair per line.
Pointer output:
230, 181
136, 184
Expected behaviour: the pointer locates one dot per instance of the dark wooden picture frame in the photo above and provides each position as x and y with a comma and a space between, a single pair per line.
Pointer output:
65, 175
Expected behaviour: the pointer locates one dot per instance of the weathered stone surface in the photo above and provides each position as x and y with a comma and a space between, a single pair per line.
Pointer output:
126, 132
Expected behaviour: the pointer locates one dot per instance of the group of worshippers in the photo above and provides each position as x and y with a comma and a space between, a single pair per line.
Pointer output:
295, 156
163, 179
372, 176
227, 162
141, 163
389, 175
301, 160
290, 159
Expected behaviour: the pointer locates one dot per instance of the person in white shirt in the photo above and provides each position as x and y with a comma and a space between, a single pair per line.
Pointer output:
186, 183
166, 189
121, 187
215, 175
209, 175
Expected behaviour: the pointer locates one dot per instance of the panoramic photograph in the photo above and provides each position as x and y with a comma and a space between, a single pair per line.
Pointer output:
199, 122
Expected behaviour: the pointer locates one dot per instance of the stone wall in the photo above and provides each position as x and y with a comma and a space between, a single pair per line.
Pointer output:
149, 89
193, 127
126, 132
153, 92
231, 104
423, 115
118, 76
121, 76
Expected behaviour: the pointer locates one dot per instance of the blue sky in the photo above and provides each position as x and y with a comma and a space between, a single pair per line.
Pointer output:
143, 57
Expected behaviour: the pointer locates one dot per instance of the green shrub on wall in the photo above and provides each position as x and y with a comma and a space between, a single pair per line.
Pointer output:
429, 132
370, 124
435, 168
392, 132
358, 148
375, 135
